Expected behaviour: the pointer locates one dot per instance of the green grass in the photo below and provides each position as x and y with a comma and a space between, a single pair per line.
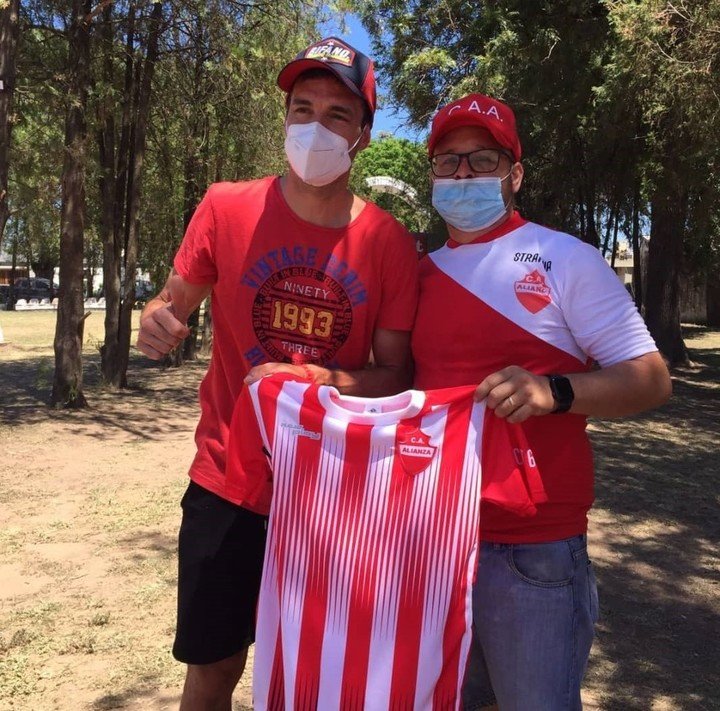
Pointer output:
34, 331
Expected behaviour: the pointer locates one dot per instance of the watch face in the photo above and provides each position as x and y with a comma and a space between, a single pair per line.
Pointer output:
562, 392
563, 388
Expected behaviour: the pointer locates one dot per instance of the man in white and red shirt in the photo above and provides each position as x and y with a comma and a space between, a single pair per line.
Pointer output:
365, 601
300, 271
527, 313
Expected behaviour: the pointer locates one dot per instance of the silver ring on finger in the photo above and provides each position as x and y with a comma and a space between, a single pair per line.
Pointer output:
510, 401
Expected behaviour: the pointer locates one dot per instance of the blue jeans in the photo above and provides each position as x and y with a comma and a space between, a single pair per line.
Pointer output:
534, 610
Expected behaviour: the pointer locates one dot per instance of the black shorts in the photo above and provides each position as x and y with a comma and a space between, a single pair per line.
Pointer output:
220, 551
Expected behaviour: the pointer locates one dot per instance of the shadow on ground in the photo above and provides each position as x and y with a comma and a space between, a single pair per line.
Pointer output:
133, 695
657, 479
155, 396
141, 545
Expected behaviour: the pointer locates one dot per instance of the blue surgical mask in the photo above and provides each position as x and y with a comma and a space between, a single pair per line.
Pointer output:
470, 204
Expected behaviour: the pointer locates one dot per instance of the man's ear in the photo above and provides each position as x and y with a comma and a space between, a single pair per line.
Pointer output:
517, 172
364, 141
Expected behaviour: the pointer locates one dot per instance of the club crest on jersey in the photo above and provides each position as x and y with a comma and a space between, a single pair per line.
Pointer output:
415, 451
532, 292
332, 51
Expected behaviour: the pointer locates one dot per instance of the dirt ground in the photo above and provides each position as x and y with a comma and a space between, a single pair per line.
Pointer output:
89, 515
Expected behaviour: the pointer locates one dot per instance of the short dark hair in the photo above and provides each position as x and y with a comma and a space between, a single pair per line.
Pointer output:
320, 73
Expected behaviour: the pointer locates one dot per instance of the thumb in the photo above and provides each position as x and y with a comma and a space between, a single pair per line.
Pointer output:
183, 297
483, 390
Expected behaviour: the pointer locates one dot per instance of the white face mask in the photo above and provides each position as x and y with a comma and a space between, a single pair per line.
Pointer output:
316, 154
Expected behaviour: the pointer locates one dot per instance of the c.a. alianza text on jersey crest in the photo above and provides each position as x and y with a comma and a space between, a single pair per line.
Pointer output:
532, 292
332, 52
415, 450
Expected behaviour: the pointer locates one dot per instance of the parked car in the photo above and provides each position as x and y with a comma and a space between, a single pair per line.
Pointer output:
33, 288
144, 291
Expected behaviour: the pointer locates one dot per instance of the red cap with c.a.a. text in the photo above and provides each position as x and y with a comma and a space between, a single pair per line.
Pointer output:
482, 111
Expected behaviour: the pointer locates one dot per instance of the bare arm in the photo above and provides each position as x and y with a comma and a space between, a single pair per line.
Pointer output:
619, 390
162, 322
390, 374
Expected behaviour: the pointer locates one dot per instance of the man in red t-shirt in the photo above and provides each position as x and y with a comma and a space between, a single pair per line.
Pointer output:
305, 278
526, 312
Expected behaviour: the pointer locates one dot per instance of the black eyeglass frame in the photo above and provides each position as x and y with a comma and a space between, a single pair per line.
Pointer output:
460, 156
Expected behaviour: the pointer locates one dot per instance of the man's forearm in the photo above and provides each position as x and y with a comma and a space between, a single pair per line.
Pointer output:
375, 381
618, 390
623, 389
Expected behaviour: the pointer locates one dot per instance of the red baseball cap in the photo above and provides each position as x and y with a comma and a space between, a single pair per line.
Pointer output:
349, 65
482, 111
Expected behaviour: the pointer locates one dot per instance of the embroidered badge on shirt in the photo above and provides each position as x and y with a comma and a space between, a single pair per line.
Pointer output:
532, 292
415, 450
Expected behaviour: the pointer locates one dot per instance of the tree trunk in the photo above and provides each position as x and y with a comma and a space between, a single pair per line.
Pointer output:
588, 232
605, 247
13, 268
713, 300
207, 331
613, 254
194, 168
68, 379
9, 33
190, 344
662, 304
115, 166
134, 191
109, 229
89, 278
581, 208
636, 237
195, 175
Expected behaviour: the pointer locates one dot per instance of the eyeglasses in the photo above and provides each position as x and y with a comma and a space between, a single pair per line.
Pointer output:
485, 160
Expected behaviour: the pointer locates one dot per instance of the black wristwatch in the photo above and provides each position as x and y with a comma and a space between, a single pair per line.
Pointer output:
562, 392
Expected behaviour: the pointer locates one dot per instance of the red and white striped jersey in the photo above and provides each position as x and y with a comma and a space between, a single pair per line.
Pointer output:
372, 539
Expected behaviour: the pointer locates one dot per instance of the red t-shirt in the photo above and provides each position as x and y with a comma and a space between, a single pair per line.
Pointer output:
285, 289
529, 296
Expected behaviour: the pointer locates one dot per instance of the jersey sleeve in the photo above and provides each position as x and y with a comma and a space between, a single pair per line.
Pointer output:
599, 311
195, 259
399, 281
248, 473
510, 477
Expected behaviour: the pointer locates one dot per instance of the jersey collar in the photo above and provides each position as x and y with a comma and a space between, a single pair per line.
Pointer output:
378, 411
512, 223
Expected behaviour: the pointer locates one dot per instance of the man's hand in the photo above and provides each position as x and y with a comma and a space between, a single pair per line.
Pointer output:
160, 332
301, 371
162, 323
618, 390
516, 394
389, 375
